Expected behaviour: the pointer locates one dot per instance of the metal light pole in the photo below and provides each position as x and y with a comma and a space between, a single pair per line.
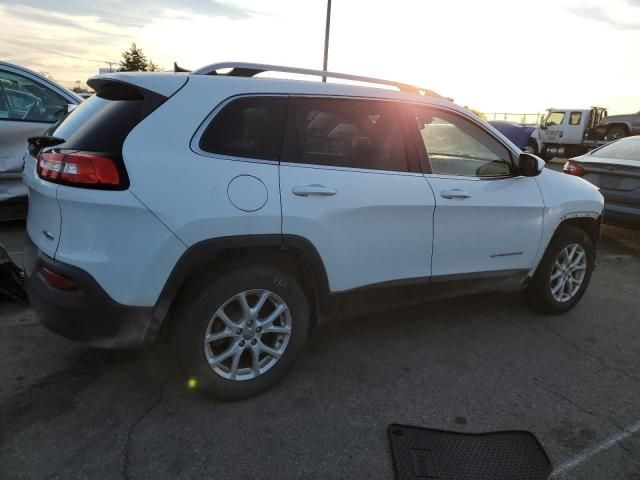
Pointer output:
326, 39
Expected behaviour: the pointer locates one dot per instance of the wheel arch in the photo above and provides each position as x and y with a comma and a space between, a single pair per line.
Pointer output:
588, 222
294, 254
623, 125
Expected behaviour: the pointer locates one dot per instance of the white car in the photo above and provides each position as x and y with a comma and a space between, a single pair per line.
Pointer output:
235, 213
29, 104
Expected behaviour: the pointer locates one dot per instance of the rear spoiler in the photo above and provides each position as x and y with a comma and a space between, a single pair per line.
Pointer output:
165, 84
117, 89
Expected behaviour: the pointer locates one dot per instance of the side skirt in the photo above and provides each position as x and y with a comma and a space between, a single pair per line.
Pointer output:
402, 293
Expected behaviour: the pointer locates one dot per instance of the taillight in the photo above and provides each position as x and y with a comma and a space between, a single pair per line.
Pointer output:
79, 168
572, 168
58, 281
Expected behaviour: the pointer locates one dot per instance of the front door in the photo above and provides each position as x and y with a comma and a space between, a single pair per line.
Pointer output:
348, 187
27, 108
552, 127
487, 221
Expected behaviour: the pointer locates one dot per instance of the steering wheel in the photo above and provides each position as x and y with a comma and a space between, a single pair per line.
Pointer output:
35, 112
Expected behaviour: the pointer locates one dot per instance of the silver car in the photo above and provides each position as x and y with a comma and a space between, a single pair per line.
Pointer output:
29, 104
615, 169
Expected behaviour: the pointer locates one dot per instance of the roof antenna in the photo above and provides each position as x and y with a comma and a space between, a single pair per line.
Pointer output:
177, 68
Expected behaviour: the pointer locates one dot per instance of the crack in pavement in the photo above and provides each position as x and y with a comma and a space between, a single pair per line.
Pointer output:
587, 353
586, 411
157, 401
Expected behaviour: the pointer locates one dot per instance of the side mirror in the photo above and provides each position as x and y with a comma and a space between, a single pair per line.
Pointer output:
530, 165
71, 107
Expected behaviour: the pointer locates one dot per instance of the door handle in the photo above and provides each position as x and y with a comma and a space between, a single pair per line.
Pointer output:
306, 190
454, 193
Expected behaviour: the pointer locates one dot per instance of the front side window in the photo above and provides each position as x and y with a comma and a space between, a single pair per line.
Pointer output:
456, 146
250, 127
575, 118
554, 118
24, 99
349, 133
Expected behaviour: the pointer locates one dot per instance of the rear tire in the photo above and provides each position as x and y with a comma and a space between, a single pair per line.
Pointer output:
224, 343
614, 133
564, 272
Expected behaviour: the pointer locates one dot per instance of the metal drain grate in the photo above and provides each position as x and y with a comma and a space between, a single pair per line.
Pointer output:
428, 454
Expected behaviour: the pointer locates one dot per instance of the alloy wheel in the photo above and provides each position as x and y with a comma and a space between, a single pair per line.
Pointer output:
568, 272
247, 335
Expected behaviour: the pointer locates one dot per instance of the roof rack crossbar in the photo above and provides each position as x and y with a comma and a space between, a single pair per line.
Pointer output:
241, 69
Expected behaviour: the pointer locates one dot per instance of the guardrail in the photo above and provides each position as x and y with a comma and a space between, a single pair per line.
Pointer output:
522, 118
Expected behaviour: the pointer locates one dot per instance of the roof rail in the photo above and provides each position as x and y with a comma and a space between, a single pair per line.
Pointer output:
241, 69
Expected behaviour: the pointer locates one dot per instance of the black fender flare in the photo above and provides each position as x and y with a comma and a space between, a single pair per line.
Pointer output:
198, 257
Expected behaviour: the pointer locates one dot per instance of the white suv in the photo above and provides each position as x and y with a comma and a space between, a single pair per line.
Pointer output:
235, 213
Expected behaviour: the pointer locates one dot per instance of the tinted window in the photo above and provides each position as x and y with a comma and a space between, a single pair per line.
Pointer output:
554, 118
575, 118
347, 133
250, 127
27, 100
98, 124
456, 146
625, 149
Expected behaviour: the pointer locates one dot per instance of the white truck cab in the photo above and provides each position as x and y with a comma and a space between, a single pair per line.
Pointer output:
567, 132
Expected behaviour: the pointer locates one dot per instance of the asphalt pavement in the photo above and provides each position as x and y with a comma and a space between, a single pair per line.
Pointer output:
476, 364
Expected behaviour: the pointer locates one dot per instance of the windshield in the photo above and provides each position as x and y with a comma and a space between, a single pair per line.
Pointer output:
625, 149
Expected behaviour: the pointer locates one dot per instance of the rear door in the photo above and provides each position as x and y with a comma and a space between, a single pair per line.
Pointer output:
487, 221
350, 186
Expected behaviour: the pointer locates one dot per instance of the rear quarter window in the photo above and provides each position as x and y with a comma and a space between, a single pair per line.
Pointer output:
247, 127
99, 124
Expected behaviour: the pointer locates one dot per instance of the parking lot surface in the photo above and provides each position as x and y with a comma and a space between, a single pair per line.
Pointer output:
477, 364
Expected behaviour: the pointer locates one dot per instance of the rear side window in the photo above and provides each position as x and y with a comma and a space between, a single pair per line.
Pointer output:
249, 127
347, 133
575, 118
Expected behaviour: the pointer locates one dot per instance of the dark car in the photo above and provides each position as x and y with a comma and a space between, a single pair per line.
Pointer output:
614, 127
615, 169
518, 134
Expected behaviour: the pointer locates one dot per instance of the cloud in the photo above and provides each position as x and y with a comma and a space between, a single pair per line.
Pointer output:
65, 33
135, 13
33, 15
599, 14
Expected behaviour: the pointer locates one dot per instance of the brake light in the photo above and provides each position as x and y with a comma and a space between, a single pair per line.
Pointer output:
78, 168
572, 168
58, 281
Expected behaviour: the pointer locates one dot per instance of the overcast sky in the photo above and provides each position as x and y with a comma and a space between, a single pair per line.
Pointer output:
494, 55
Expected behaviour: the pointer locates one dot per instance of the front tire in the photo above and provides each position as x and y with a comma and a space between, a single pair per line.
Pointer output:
238, 332
564, 272
532, 147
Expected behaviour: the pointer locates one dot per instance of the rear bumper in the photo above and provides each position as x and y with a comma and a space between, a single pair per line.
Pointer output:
87, 315
621, 215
